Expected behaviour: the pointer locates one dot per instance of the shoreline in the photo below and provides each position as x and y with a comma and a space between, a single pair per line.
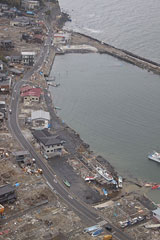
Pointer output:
128, 179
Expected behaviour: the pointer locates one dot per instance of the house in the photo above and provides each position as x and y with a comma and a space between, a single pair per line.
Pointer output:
25, 88
28, 58
40, 119
1, 14
61, 38
15, 59
9, 14
5, 83
2, 111
38, 38
16, 71
4, 6
1, 65
7, 193
37, 30
2, 115
50, 145
3, 77
21, 155
20, 22
156, 214
30, 4
31, 95
6, 44
26, 37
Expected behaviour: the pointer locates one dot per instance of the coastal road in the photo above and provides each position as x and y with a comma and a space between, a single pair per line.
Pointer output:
84, 211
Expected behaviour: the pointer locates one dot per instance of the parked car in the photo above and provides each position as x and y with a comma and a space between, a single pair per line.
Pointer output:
108, 227
141, 218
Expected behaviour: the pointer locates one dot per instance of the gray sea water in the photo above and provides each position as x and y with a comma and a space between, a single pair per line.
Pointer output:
114, 105
131, 25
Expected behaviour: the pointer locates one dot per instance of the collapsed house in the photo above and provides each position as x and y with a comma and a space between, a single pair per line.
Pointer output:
6, 44
7, 193
5, 83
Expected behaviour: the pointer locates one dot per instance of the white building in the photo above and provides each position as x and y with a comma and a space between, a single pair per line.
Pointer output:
30, 4
28, 58
156, 214
61, 38
1, 65
2, 110
40, 119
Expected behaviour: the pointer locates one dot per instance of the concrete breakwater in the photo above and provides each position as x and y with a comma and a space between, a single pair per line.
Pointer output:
104, 48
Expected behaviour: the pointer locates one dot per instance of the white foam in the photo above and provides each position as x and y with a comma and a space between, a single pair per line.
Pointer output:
92, 30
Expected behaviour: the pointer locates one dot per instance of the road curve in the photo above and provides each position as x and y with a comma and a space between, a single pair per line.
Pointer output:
85, 212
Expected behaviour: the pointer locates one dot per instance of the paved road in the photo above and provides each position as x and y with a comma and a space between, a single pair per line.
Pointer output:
86, 213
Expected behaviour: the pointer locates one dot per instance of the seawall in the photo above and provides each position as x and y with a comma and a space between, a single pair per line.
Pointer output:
104, 48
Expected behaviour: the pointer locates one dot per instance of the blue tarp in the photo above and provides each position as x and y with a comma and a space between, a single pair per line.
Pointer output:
17, 185
30, 12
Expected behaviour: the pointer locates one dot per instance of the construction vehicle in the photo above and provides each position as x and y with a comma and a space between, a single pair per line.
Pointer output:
39, 170
107, 237
1, 209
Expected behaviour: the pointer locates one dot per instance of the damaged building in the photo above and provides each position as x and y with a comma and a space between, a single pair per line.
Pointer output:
50, 145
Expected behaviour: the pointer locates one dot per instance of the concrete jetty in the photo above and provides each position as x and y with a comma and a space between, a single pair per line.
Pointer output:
104, 48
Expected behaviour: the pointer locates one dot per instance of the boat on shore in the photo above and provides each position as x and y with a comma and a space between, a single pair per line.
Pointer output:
156, 186
154, 156
104, 174
120, 181
57, 108
105, 192
66, 183
54, 85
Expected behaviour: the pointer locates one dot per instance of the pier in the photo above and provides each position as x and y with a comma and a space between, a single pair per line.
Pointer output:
104, 48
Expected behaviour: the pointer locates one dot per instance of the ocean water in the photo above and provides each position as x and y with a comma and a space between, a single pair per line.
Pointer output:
131, 25
114, 105
115, 108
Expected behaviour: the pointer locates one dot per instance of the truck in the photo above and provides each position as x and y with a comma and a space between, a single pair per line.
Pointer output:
91, 229
97, 232
107, 237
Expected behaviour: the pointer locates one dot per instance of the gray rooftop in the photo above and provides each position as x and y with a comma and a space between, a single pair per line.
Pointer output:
47, 141
157, 211
46, 138
6, 189
2, 105
40, 114
19, 153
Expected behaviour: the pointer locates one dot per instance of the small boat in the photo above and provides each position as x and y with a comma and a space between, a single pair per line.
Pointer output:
97, 232
105, 192
57, 108
104, 174
66, 183
155, 156
54, 85
91, 229
156, 186
89, 178
120, 182
148, 185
